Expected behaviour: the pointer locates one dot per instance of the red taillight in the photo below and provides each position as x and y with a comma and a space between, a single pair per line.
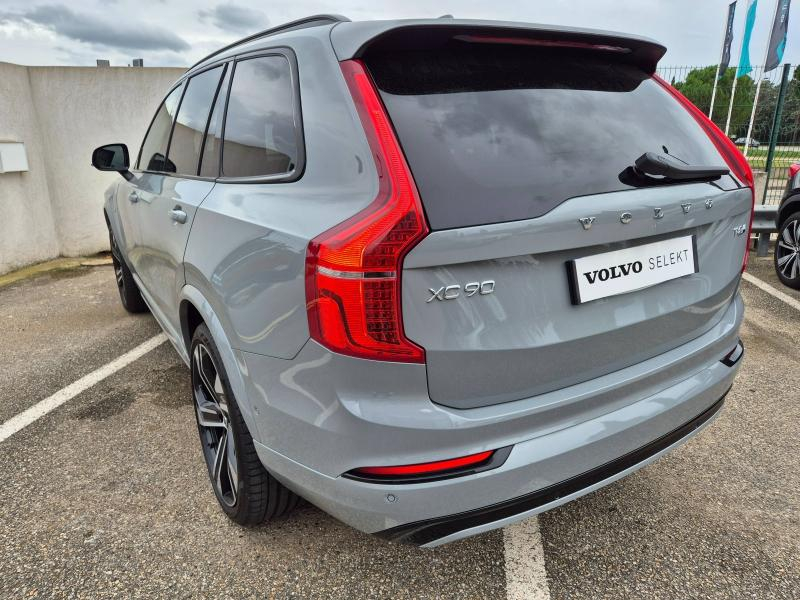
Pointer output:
353, 270
794, 170
735, 160
440, 466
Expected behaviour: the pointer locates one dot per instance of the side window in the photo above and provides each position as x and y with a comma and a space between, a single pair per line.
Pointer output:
260, 134
209, 165
153, 156
190, 126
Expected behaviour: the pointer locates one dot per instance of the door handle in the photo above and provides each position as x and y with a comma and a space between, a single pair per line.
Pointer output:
178, 215
133, 197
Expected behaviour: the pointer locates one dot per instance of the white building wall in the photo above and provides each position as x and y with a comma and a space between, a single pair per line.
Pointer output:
27, 231
62, 114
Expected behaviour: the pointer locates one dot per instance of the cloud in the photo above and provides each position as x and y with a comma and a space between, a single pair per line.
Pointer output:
237, 19
89, 29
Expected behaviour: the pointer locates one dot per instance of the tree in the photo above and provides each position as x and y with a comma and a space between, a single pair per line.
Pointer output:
698, 87
765, 111
790, 121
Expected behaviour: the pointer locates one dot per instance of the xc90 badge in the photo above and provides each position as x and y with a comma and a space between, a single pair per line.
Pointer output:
451, 292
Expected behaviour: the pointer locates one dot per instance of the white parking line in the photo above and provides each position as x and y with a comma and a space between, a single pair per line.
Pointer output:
772, 291
40, 409
526, 578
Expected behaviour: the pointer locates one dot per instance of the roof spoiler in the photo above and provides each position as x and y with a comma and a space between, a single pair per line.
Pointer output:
353, 40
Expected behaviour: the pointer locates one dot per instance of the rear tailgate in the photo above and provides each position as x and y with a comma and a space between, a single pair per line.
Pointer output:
521, 150
527, 337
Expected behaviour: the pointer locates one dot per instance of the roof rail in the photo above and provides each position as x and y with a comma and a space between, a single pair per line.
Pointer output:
311, 21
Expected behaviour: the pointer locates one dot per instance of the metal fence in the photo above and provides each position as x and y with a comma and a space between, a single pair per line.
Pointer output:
776, 128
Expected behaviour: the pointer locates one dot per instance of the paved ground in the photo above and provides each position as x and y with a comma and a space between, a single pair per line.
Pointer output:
108, 494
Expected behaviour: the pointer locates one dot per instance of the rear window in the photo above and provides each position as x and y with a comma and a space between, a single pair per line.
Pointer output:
260, 136
497, 132
189, 130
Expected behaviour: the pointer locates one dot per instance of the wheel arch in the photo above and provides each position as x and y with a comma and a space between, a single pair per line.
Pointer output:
190, 319
789, 206
195, 309
110, 224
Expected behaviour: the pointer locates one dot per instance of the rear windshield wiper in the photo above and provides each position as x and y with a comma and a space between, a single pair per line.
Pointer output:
671, 169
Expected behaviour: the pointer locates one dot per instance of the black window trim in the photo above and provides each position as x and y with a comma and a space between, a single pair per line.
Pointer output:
225, 67
300, 165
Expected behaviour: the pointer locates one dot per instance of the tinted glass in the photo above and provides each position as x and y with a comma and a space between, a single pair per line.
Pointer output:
190, 126
154, 147
209, 166
501, 133
260, 136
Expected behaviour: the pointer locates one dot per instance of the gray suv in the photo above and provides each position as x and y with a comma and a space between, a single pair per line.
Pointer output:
434, 276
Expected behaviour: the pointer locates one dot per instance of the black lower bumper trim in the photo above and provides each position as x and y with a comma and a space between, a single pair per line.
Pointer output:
429, 530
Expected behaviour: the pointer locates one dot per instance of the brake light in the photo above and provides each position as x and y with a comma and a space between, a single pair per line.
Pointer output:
353, 270
440, 466
518, 41
794, 170
735, 160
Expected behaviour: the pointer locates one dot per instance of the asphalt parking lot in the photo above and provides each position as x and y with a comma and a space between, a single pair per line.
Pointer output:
108, 495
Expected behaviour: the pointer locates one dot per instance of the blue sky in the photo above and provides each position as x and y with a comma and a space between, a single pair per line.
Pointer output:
178, 32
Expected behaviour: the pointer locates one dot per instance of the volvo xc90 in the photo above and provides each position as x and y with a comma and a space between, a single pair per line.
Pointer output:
434, 276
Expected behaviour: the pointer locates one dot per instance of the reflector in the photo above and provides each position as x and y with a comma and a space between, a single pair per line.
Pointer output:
438, 466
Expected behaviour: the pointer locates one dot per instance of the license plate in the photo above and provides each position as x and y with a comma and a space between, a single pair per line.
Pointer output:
630, 269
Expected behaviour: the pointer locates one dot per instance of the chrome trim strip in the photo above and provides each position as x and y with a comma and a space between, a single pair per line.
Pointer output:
356, 274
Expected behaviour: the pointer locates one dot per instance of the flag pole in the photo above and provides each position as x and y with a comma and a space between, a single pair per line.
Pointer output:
716, 73
758, 85
730, 105
736, 76
752, 115
714, 91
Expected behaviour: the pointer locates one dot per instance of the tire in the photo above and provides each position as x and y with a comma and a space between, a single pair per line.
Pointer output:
129, 292
787, 252
249, 495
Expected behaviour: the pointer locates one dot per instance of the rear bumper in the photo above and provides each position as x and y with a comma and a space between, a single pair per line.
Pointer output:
565, 443
433, 532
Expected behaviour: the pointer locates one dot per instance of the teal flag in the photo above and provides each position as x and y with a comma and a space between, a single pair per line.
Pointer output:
744, 58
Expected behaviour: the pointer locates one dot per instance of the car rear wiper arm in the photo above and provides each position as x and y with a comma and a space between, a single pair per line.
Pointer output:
661, 165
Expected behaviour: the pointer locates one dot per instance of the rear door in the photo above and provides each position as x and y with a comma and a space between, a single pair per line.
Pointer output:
174, 187
522, 154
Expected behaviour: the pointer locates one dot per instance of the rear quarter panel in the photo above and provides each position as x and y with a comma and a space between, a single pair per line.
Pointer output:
246, 251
